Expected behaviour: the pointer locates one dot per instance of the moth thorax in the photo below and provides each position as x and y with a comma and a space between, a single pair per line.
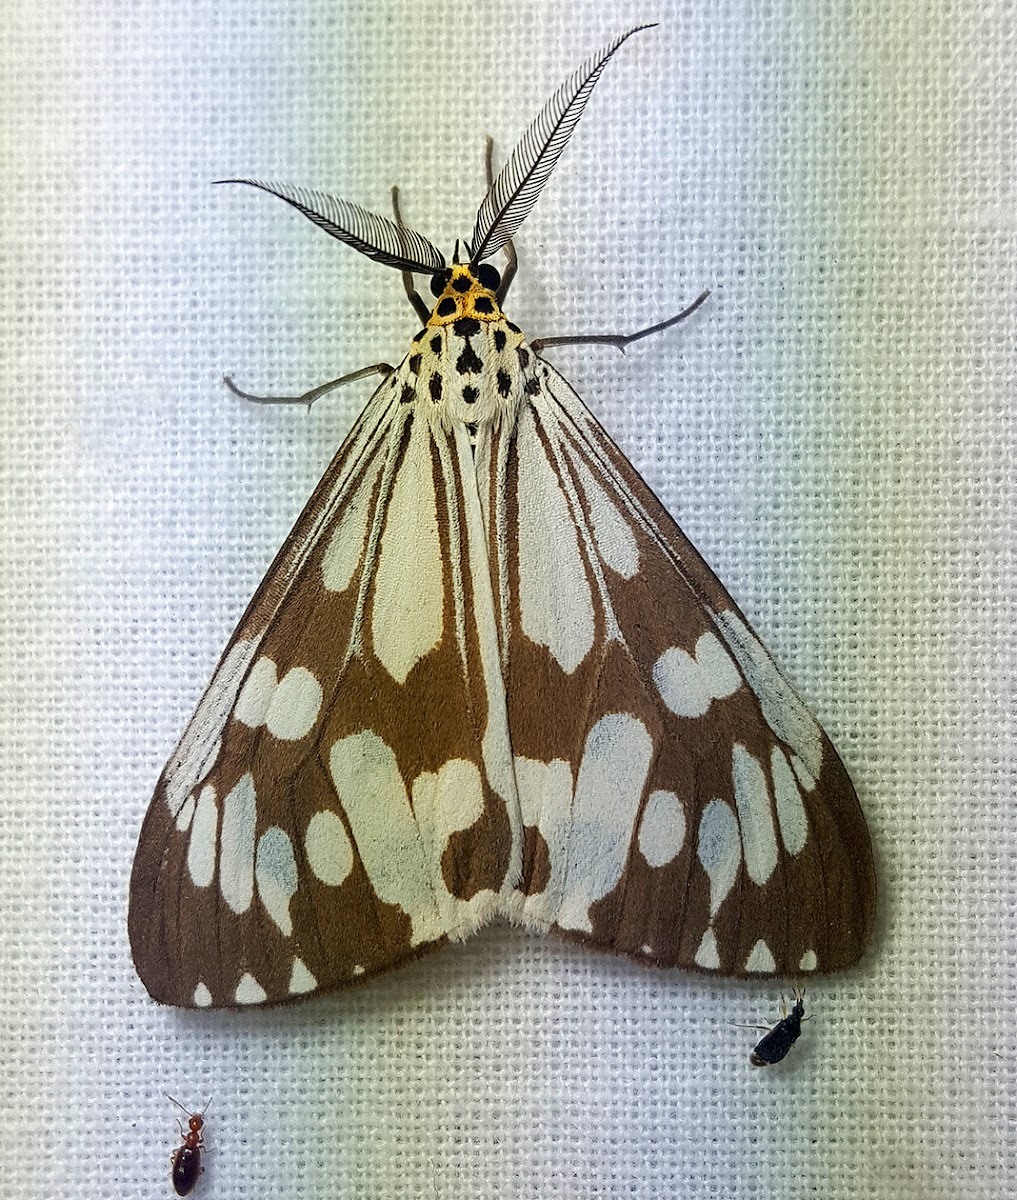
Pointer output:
464, 296
469, 372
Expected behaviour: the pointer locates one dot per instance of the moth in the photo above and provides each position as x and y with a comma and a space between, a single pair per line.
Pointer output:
186, 1160
488, 676
776, 1044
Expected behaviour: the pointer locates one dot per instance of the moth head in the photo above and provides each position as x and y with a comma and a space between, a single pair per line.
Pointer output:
464, 290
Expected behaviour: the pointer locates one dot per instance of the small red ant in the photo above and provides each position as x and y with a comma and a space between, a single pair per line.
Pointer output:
186, 1159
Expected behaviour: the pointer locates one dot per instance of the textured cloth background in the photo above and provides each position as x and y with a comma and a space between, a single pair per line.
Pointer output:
835, 430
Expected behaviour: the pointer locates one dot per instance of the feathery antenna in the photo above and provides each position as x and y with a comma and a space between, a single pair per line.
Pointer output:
514, 192
377, 237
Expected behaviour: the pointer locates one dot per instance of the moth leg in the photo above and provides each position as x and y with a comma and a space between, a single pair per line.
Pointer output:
620, 340
414, 297
316, 393
511, 258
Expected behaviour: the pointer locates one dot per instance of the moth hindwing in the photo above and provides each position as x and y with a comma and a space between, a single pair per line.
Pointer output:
487, 675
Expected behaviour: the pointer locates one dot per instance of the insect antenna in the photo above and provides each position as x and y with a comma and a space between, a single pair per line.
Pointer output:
519, 183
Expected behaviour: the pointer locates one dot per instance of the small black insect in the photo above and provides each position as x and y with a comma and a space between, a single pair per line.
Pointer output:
779, 1040
186, 1159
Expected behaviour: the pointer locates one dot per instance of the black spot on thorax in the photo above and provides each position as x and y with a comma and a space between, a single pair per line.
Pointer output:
466, 327
468, 363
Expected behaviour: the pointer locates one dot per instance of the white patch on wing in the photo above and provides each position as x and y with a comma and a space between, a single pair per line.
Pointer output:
328, 849
444, 803
185, 814
662, 829
202, 996
301, 980
201, 847
409, 590
275, 870
545, 795
760, 960
210, 757
294, 706
190, 761
236, 848
809, 961
287, 707
256, 694
755, 814
447, 802
373, 796
805, 776
720, 850
783, 709
545, 803
554, 592
346, 546
249, 991
720, 675
791, 815
707, 956
495, 744
612, 533
609, 789
689, 683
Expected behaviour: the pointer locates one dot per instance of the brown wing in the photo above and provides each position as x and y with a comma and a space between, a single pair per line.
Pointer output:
680, 803
340, 802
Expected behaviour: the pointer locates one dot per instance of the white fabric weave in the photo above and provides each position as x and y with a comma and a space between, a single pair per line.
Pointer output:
835, 429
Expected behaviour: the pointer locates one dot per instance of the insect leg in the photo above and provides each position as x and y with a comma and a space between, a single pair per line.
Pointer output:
414, 297
620, 340
511, 258
316, 393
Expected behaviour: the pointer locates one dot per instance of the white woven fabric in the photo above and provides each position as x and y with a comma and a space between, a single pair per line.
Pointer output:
835, 429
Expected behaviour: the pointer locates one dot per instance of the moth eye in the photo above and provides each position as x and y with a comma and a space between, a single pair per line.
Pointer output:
439, 282
488, 277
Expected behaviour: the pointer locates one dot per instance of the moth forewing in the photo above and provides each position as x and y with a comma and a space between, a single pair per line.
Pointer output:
350, 818
647, 680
